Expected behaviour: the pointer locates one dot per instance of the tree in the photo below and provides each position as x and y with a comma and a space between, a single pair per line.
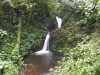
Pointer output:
15, 7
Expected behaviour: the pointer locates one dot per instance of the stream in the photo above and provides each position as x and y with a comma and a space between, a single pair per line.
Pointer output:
40, 64
41, 61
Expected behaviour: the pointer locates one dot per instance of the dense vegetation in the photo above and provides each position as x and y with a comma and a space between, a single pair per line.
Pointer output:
19, 33
22, 29
79, 40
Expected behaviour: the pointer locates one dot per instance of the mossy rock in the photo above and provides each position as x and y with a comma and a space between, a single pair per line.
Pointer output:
67, 36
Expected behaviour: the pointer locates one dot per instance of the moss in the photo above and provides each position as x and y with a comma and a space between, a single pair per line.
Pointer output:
69, 35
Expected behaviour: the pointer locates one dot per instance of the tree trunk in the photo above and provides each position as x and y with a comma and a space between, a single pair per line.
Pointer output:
19, 32
16, 51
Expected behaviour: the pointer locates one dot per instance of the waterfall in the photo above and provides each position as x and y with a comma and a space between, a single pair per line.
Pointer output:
59, 21
45, 48
46, 43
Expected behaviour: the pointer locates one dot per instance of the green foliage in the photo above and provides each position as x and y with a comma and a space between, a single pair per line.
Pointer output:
8, 67
78, 39
81, 60
54, 7
31, 36
84, 19
17, 3
6, 63
78, 17
2, 33
85, 12
68, 36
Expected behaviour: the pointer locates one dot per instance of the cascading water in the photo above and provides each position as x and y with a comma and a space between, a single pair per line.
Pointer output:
45, 49
59, 21
46, 43
41, 61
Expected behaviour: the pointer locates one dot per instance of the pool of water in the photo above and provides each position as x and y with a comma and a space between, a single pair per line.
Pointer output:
40, 64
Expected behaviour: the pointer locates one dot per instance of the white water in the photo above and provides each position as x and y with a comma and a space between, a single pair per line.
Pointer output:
46, 43
45, 49
59, 21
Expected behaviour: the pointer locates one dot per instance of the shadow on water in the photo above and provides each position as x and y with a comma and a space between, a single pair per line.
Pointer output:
40, 64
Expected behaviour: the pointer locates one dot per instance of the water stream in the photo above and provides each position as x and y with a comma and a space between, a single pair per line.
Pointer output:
41, 61
59, 21
45, 49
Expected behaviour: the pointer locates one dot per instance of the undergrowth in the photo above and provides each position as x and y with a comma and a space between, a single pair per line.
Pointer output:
83, 59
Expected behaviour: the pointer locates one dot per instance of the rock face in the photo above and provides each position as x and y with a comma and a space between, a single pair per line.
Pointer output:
49, 24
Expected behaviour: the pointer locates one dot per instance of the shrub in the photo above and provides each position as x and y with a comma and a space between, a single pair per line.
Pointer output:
83, 59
